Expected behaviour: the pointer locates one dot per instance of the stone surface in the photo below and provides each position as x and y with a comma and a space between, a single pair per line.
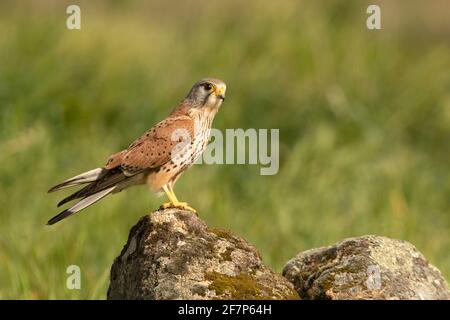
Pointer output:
172, 254
368, 267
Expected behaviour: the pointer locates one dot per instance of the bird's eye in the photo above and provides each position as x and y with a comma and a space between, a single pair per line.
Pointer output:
208, 87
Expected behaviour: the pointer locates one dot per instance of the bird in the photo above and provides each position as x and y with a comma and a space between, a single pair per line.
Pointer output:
157, 158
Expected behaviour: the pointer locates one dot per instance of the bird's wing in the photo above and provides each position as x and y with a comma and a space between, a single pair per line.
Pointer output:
151, 150
156, 146
115, 160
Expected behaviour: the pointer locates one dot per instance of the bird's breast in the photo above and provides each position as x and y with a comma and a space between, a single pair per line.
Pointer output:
199, 139
183, 155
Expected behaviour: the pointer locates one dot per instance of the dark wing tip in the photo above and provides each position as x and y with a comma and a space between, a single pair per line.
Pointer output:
61, 185
52, 189
59, 217
57, 187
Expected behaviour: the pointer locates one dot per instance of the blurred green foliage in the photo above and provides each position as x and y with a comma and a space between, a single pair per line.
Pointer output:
364, 119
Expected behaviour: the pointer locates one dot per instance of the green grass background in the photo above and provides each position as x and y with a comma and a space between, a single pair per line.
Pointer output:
364, 119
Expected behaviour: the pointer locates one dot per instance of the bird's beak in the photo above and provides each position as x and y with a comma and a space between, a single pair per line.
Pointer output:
220, 92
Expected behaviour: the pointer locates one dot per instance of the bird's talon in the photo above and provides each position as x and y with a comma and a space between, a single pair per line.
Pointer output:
166, 205
185, 206
179, 205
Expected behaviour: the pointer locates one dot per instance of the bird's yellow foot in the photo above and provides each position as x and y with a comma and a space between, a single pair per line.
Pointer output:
178, 205
166, 205
184, 206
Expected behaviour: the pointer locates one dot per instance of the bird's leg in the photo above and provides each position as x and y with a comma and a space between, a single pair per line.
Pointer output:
178, 204
174, 203
172, 199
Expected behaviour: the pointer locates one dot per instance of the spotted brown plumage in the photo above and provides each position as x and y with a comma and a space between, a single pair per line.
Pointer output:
158, 157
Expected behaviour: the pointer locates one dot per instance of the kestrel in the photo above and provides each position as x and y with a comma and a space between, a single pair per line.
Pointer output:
158, 157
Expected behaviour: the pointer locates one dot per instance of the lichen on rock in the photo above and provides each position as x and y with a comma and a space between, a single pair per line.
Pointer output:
172, 254
368, 267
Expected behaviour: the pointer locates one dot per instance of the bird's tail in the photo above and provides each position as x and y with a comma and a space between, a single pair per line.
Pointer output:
82, 204
86, 177
101, 182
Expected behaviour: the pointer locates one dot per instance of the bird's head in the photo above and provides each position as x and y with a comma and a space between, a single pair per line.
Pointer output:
207, 93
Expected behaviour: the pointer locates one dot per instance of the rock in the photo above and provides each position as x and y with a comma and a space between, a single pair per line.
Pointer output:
368, 267
172, 254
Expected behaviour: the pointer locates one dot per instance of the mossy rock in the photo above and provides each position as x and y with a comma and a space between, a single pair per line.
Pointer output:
245, 287
172, 254
367, 267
